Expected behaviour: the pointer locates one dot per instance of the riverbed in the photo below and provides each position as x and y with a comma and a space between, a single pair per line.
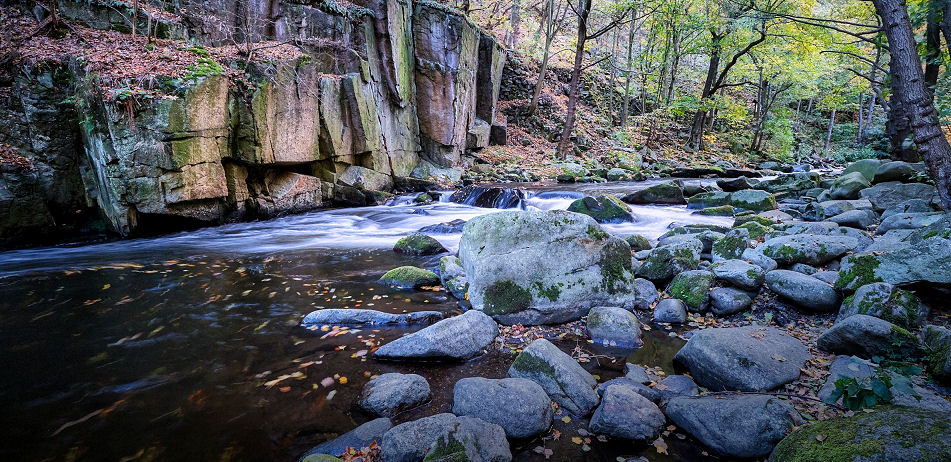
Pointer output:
188, 346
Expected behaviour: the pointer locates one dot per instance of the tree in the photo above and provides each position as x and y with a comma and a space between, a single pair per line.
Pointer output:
552, 22
910, 90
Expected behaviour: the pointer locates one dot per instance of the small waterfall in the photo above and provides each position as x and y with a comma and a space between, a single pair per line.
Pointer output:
490, 197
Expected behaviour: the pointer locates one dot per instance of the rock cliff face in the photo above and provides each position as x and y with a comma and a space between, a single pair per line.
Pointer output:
382, 93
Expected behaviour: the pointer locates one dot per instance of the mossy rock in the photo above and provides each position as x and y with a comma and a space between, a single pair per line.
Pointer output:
756, 230
506, 297
721, 211
693, 288
708, 199
664, 193
742, 219
409, 277
604, 209
418, 244
638, 242
937, 340
731, 245
423, 198
857, 271
753, 199
885, 301
886, 434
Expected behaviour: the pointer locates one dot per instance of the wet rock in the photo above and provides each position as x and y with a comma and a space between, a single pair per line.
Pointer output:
664, 193
520, 406
693, 288
565, 381
613, 326
535, 267
811, 249
938, 341
638, 242
623, 413
446, 437
459, 337
848, 186
885, 434
418, 244
604, 209
885, 301
753, 199
453, 276
359, 437
803, 290
390, 394
676, 385
725, 301
741, 426
666, 261
708, 199
731, 245
670, 310
747, 358
636, 373
889, 194
734, 184
449, 227
739, 273
645, 294
316, 319
867, 336
409, 277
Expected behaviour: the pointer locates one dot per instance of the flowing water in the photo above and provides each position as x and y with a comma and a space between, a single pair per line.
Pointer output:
188, 346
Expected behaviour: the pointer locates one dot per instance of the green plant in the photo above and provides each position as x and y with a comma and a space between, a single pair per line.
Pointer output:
858, 394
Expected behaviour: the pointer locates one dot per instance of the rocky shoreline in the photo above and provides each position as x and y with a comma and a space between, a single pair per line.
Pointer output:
852, 262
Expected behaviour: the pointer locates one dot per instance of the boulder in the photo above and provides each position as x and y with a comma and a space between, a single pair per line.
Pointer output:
418, 244
619, 174
445, 437
725, 301
353, 316
920, 256
736, 426
666, 261
739, 273
756, 257
409, 277
453, 276
359, 437
624, 413
734, 184
721, 211
613, 326
390, 394
636, 373
861, 219
448, 227
670, 310
645, 294
664, 193
788, 185
906, 394
909, 206
753, 199
884, 434
755, 230
867, 336
909, 221
889, 194
803, 268
731, 245
848, 186
803, 290
747, 358
459, 337
604, 209
885, 301
828, 277
866, 167
938, 342
676, 385
897, 171
693, 288
535, 267
565, 381
520, 406
708, 199
638, 242
811, 249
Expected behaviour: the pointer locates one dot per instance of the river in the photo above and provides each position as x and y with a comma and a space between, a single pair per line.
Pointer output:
188, 346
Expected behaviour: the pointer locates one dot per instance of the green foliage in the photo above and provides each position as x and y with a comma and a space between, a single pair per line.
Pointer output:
858, 394
204, 67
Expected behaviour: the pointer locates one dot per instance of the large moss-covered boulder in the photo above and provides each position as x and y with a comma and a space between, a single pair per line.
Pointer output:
731, 245
888, 194
753, 199
664, 193
666, 261
887, 302
919, 256
811, 249
693, 288
446, 437
638, 242
534, 267
885, 434
418, 244
867, 336
708, 199
865, 167
604, 209
409, 277
848, 186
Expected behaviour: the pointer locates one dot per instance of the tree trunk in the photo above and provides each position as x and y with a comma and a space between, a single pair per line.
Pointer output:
625, 107
905, 69
515, 21
584, 8
861, 115
829, 131
699, 118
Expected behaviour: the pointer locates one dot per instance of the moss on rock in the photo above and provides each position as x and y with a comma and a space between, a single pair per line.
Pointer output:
418, 244
506, 297
408, 277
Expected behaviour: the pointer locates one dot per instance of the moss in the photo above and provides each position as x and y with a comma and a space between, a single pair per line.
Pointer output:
638, 242
506, 297
721, 211
596, 233
409, 277
418, 244
615, 267
691, 288
551, 293
604, 209
784, 253
749, 218
528, 364
756, 230
745, 362
447, 449
730, 246
860, 273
